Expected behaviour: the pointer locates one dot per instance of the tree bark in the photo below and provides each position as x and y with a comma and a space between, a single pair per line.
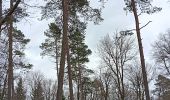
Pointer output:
10, 59
69, 73
107, 92
56, 55
80, 82
63, 51
4, 86
141, 51
0, 14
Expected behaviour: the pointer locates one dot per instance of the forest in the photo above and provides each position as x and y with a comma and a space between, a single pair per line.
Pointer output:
84, 50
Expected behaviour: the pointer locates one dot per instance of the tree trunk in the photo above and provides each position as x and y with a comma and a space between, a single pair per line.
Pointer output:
78, 90
69, 73
80, 82
63, 51
56, 56
3, 91
141, 51
0, 15
10, 60
107, 92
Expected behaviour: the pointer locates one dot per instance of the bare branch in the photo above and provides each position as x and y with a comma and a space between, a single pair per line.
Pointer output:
139, 28
145, 25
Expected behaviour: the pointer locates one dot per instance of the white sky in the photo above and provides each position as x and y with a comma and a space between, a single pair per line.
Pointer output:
115, 19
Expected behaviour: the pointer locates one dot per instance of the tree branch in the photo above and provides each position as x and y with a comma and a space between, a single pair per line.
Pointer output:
10, 12
139, 28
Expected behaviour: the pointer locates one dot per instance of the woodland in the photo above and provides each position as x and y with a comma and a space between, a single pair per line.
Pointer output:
123, 72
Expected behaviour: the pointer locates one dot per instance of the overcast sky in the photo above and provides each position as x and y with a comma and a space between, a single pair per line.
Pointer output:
115, 19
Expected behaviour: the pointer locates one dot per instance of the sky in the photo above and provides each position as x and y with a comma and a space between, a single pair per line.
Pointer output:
115, 19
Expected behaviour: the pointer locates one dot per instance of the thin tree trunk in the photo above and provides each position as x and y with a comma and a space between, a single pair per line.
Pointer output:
3, 91
63, 51
56, 56
107, 92
141, 51
10, 60
80, 82
81, 85
69, 73
0, 15
78, 89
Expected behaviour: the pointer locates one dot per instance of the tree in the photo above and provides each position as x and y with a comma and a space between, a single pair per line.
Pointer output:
106, 77
35, 81
79, 56
52, 45
38, 92
162, 90
20, 64
39, 87
13, 42
20, 93
49, 88
63, 50
161, 51
10, 54
75, 11
115, 53
145, 7
0, 14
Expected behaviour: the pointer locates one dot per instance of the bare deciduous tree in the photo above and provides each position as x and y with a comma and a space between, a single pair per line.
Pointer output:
161, 51
116, 52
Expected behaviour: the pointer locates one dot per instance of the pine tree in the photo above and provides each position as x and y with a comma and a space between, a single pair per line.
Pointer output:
71, 11
162, 90
79, 56
52, 45
12, 45
145, 7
